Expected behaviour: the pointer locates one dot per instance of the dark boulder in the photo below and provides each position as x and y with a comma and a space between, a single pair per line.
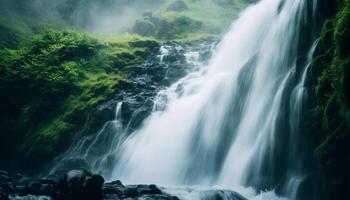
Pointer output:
116, 190
221, 195
155, 197
81, 184
113, 190
177, 6
139, 190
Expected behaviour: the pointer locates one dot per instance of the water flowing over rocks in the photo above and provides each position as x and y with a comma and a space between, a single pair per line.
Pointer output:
125, 113
82, 184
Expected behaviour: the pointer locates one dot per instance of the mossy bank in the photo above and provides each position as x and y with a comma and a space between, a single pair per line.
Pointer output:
51, 85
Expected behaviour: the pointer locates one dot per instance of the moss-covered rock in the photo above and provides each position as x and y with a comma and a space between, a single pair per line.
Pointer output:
52, 82
330, 80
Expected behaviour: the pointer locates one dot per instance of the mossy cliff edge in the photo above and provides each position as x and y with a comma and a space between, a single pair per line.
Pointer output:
50, 86
330, 92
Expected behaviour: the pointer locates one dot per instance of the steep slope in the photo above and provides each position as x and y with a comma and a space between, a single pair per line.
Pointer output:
330, 82
52, 83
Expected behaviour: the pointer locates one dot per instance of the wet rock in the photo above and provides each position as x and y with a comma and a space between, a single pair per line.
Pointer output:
81, 184
221, 195
116, 190
157, 72
139, 190
154, 197
3, 195
4, 177
136, 113
75, 185
41, 187
6, 183
177, 6
31, 197
113, 190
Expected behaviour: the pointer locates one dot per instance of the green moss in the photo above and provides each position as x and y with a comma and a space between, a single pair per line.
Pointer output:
128, 50
330, 79
53, 82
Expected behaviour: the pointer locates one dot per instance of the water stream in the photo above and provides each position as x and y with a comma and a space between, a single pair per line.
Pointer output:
232, 123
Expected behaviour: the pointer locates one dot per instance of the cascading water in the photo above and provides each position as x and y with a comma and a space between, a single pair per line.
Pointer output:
223, 127
98, 150
233, 123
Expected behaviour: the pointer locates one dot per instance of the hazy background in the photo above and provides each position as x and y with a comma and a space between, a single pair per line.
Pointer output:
100, 16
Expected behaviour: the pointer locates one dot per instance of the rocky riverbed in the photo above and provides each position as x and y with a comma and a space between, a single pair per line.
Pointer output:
81, 184
75, 184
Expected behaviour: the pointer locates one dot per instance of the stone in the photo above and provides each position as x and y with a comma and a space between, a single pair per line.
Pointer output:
41, 187
221, 195
113, 190
81, 184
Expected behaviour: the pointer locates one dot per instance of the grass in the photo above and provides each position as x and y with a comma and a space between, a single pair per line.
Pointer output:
53, 81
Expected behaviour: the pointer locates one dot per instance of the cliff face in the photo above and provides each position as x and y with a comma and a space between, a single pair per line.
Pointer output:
330, 93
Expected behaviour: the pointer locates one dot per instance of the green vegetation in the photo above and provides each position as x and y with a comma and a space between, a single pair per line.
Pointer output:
189, 19
330, 75
51, 82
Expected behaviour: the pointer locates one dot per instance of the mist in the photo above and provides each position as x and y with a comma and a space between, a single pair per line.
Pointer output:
96, 16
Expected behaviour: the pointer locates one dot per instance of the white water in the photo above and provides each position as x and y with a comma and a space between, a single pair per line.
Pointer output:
219, 126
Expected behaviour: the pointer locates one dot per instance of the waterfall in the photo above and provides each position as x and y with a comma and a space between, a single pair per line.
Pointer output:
229, 125
233, 123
